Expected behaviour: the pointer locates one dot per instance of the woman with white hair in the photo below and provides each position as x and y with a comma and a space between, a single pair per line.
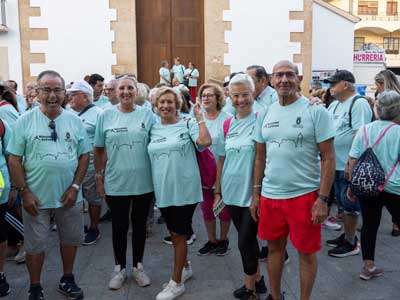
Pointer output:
176, 178
383, 136
235, 181
123, 177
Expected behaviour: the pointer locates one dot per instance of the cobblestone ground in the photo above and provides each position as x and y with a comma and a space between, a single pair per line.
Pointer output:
214, 277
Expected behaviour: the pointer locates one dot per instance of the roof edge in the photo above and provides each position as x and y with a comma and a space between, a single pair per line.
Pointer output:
338, 11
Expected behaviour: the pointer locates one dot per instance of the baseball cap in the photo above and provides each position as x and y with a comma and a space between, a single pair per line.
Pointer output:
341, 75
81, 86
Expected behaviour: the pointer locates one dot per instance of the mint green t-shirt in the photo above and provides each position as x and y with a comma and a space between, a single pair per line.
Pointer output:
103, 102
9, 114
3, 164
192, 81
125, 137
228, 107
166, 73
361, 114
387, 150
239, 152
49, 165
292, 134
179, 71
176, 175
215, 128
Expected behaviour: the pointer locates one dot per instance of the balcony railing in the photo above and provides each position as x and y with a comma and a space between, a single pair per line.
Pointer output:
393, 51
380, 17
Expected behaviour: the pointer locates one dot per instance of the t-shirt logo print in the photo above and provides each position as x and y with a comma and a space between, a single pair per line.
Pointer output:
298, 123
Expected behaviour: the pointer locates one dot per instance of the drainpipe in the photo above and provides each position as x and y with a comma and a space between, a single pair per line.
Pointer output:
351, 6
3, 12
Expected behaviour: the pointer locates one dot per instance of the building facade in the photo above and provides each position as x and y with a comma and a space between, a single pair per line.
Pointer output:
112, 37
380, 24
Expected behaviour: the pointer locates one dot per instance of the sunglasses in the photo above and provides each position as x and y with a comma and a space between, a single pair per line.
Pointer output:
52, 126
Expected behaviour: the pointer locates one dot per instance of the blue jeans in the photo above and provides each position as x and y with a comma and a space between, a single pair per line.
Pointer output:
341, 185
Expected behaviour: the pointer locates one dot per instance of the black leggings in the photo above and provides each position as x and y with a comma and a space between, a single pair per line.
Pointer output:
247, 237
371, 210
120, 206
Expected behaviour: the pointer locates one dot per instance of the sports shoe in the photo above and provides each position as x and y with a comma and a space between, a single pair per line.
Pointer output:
331, 224
4, 286
106, 217
190, 240
208, 248
263, 254
69, 288
167, 240
270, 297
249, 295
339, 217
140, 276
171, 291
336, 242
91, 237
118, 278
367, 274
20, 257
35, 293
222, 248
261, 288
344, 250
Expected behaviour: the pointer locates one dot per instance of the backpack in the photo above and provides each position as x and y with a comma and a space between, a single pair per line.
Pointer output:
353, 101
227, 123
368, 177
207, 166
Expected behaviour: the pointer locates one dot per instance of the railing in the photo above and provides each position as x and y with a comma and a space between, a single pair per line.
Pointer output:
390, 52
380, 17
3, 13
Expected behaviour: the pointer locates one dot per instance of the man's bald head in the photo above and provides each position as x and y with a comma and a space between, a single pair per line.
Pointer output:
286, 63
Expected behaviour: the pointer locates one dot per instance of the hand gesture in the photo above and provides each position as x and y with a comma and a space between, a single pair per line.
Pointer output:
100, 187
254, 207
319, 212
12, 197
217, 198
30, 203
197, 110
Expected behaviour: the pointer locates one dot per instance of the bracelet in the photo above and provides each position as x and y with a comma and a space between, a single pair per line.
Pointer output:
256, 186
201, 122
21, 189
99, 174
323, 198
217, 194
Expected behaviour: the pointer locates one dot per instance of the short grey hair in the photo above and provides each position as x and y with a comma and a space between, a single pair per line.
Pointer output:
133, 79
142, 94
388, 105
242, 79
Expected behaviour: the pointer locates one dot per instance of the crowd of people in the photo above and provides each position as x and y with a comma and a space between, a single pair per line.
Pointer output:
256, 153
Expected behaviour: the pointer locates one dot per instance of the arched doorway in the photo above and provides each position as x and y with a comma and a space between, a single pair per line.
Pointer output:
168, 29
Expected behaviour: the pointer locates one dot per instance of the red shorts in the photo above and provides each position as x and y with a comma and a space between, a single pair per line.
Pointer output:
279, 218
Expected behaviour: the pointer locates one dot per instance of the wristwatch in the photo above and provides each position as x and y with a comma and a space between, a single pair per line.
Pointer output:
323, 198
75, 186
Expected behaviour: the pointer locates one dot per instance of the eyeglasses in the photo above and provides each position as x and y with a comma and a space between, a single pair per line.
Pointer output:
207, 95
52, 126
48, 91
289, 75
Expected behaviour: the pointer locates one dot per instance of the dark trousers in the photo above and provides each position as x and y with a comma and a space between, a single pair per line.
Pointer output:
120, 206
371, 211
247, 237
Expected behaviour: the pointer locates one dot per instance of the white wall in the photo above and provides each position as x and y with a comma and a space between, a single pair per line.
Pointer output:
261, 32
11, 40
80, 38
333, 40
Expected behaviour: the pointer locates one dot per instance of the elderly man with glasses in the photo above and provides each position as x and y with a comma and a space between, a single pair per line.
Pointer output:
49, 156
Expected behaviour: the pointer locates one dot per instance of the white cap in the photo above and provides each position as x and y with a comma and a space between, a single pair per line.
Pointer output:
81, 86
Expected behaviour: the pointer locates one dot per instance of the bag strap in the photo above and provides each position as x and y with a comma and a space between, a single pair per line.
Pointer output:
365, 137
86, 109
381, 135
5, 103
382, 187
227, 123
2, 134
334, 110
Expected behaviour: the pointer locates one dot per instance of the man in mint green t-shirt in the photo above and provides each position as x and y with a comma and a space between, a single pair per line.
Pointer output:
96, 81
293, 174
49, 156
350, 112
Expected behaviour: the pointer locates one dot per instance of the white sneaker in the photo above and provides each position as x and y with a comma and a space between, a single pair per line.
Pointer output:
171, 291
118, 278
20, 257
187, 273
140, 276
191, 240
330, 224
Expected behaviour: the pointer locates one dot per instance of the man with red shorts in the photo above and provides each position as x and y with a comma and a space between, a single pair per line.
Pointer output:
293, 174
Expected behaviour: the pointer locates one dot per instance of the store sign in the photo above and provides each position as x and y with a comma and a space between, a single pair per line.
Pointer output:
369, 57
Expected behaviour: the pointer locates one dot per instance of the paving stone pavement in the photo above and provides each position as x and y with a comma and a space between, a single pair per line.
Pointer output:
214, 277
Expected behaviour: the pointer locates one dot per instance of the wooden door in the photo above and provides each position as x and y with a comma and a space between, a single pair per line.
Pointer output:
168, 29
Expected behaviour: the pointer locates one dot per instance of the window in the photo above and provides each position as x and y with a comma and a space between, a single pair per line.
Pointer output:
358, 43
368, 8
391, 45
391, 8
